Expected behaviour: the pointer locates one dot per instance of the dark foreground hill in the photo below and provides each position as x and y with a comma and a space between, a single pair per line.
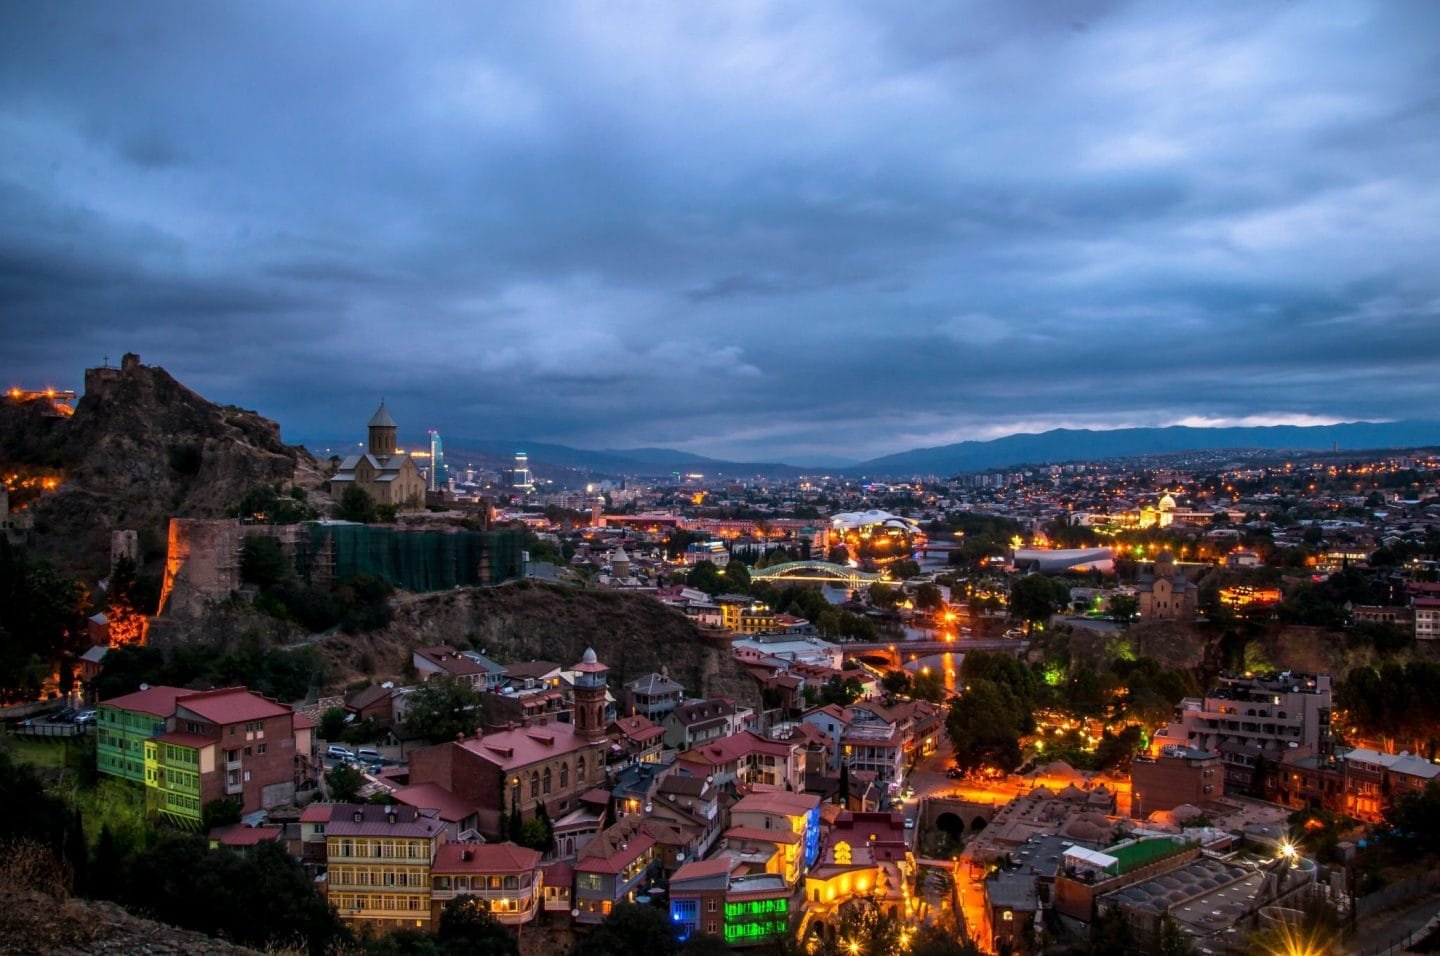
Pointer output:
32, 922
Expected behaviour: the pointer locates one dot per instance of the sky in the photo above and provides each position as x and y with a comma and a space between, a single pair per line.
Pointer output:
758, 231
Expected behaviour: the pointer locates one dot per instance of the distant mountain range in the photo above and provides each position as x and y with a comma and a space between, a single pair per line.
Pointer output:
1065, 444
1058, 445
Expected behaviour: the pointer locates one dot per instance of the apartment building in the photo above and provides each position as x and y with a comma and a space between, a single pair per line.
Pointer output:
195, 747
379, 864
1252, 722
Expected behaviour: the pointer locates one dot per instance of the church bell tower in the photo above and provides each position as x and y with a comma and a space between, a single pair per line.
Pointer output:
590, 677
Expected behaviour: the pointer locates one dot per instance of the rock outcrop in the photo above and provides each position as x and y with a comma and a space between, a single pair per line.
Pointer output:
139, 449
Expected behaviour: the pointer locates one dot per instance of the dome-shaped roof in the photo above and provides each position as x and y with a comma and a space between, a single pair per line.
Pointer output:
381, 418
589, 656
1167, 503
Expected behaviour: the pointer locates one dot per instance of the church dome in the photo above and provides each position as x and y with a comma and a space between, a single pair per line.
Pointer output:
589, 656
1166, 503
382, 419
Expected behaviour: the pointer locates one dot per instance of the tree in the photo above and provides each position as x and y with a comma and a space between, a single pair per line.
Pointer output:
929, 685
262, 562
844, 693
466, 926
705, 576
931, 940
1124, 608
985, 724
344, 783
356, 505
1034, 598
332, 723
261, 899
896, 683
536, 832
630, 930
262, 503
737, 577
221, 812
443, 708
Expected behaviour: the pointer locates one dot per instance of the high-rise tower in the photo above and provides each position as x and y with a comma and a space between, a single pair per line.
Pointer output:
521, 479
590, 677
439, 473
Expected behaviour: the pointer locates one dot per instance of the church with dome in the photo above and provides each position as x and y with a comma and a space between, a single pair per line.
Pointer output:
387, 475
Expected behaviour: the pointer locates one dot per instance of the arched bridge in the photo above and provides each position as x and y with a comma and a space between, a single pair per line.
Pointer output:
822, 571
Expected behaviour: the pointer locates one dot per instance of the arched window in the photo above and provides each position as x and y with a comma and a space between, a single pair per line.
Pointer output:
534, 784
545, 787
515, 793
580, 769
564, 776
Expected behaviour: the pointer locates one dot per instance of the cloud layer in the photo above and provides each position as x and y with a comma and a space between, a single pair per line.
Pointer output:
751, 230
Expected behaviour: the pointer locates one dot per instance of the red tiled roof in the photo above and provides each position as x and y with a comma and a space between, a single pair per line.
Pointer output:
526, 745
374, 820
484, 858
241, 835
734, 747
618, 859
719, 866
778, 801
316, 813
448, 660
760, 835
432, 796
558, 873
157, 701
232, 705
303, 722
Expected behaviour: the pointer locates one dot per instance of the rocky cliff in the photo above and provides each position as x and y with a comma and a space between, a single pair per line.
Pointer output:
525, 621
139, 449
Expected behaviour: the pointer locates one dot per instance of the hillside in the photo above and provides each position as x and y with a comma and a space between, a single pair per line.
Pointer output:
32, 922
140, 448
526, 621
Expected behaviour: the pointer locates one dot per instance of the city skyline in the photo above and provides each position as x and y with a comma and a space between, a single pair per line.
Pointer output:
761, 232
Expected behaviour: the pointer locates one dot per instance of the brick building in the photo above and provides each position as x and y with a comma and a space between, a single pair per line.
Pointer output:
524, 766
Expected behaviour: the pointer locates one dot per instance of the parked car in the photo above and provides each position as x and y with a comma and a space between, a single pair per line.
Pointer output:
85, 717
954, 773
367, 755
909, 823
338, 752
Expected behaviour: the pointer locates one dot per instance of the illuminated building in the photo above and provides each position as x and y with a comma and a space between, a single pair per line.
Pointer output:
520, 478
708, 897
1245, 596
439, 471
1254, 722
504, 879
866, 856
877, 537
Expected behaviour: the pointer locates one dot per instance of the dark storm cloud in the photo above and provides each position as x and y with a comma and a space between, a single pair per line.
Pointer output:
753, 230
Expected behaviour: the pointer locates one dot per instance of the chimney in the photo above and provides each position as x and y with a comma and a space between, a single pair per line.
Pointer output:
390, 813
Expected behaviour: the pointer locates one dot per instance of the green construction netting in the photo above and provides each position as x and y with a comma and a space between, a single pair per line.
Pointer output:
417, 560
